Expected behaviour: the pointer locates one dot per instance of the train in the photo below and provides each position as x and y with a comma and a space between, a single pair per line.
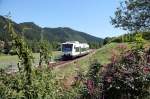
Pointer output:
72, 49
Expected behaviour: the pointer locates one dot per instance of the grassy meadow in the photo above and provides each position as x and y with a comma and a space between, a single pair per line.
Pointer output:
7, 60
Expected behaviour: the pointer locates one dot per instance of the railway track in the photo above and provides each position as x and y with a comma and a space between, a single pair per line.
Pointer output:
64, 63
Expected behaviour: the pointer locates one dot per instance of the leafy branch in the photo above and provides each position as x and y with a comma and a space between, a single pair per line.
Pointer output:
24, 54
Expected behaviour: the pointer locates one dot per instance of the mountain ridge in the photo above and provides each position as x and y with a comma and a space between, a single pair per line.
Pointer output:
58, 34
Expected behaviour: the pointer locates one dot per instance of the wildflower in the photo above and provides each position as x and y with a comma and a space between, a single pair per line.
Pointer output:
146, 69
130, 56
109, 79
90, 86
113, 57
122, 46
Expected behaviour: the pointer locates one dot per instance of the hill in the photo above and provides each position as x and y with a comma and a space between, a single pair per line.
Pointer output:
60, 34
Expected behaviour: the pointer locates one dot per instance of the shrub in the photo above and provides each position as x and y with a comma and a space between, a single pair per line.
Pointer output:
91, 84
44, 85
128, 77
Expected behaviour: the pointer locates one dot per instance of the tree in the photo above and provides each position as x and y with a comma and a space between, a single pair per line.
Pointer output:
45, 51
106, 40
7, 47
25, 56
133, 15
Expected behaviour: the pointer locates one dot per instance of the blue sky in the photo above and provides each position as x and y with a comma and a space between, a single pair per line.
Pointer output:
90, 16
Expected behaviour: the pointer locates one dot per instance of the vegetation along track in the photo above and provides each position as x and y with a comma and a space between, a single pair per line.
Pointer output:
58, 64
64, 63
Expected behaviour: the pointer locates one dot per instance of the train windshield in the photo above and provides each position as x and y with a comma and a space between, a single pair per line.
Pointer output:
67, 47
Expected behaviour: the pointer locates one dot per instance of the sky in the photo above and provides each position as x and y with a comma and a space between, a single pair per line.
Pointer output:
90, 16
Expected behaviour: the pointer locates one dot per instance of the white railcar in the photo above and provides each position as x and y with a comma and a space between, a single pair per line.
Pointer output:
74, 49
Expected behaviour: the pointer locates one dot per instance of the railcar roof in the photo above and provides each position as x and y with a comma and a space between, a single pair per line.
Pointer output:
74, 42
71, 42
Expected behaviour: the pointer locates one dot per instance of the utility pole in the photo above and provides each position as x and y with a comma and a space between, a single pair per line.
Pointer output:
42, 31
41, 53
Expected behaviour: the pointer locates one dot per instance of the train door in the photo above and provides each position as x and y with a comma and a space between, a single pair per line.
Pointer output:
80, 50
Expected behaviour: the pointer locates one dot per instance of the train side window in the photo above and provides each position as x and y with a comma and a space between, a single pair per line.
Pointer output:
77, 49
83, 49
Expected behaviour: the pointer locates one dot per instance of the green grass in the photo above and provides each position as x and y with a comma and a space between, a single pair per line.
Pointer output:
71, 69
102, 56
6, 60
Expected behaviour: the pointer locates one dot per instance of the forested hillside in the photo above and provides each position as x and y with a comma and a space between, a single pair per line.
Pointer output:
32, 31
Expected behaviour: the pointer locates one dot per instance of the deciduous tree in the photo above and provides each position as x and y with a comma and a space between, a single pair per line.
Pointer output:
133, 15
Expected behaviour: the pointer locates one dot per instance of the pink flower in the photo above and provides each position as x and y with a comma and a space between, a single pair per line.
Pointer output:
109, 79
113, 58
146, 69
129, 56
90, 86
122, 46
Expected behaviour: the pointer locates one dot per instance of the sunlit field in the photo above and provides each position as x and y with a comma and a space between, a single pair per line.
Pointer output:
12, 60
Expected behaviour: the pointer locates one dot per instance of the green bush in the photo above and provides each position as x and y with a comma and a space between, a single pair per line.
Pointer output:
44, 85
128, 77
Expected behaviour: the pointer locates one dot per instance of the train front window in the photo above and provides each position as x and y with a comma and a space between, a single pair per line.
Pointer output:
67, 47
